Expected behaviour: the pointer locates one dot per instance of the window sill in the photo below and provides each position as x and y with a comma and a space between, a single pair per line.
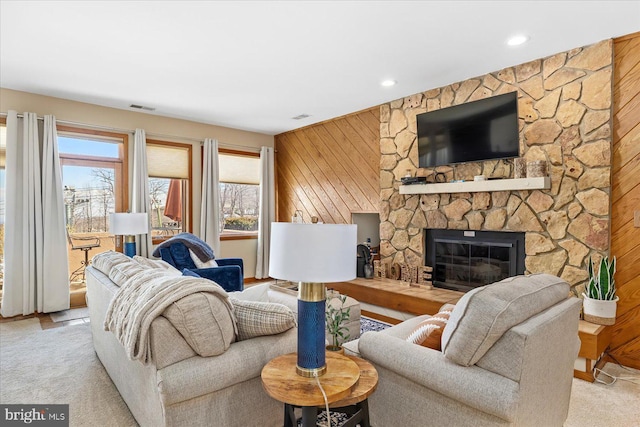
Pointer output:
238, 236
158, 240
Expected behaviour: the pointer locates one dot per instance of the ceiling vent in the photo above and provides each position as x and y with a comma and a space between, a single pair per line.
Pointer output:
301, 116
142, 107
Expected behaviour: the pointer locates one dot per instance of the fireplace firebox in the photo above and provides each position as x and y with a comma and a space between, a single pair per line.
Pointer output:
463, 260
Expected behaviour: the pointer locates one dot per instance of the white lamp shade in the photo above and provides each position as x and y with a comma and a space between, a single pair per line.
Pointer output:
128, 224
315, 253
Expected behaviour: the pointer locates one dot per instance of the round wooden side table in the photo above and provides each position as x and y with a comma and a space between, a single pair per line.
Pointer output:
348, 382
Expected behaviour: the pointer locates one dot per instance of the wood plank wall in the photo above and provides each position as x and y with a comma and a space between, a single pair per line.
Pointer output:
625, 197
330, 169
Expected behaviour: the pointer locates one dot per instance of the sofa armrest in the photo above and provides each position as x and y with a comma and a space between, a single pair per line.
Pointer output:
243, 362
471, 386
222, 262
229, 277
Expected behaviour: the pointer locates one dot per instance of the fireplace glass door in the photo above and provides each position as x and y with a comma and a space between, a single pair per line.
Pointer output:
463, 263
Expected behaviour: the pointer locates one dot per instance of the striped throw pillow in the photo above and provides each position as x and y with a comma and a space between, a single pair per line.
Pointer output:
255, 318
428, 333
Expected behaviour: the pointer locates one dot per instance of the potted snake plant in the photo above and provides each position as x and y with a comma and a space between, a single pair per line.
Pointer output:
600, 299
336, 316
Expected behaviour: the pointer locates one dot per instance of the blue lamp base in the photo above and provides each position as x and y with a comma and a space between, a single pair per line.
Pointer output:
130, 246
311, 329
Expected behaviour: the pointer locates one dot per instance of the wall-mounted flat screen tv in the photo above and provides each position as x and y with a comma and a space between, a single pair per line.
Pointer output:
486, 129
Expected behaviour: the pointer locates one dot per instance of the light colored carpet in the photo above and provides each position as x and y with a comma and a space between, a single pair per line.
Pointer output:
19, 327
59, 366
71, 314
600, 405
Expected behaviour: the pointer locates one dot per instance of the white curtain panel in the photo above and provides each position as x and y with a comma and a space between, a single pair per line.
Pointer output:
140, 202
53, 294
267, 211
210, 209
32, 280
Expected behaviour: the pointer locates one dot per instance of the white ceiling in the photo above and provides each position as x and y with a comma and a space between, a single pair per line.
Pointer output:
254, 65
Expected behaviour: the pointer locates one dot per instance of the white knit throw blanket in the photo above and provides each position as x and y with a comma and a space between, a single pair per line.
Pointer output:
143, 298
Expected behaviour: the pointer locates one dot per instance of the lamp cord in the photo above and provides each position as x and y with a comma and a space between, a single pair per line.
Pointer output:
326, 401
612, 378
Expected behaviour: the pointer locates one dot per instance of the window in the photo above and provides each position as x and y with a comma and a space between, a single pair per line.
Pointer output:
94, 185
239, 176
170, 190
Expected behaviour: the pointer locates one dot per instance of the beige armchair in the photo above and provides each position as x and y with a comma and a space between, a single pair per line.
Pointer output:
507, 359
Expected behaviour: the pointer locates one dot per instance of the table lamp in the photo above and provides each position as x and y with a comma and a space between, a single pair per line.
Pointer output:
128, 225
312, 255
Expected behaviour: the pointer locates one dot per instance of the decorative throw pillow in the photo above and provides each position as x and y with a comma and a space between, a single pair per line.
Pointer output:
428, 333
255, 319
202, 264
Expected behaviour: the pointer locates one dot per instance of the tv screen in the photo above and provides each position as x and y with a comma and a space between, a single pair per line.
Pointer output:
479, 130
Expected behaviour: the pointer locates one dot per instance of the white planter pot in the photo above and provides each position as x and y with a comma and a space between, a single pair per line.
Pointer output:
600, 312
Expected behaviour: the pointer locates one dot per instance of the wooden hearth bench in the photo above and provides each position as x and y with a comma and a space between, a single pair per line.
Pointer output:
395, 295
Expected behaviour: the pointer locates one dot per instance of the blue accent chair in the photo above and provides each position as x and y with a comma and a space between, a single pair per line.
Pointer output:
229, 273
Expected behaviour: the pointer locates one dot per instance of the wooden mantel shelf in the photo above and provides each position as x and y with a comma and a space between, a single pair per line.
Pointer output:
537, 183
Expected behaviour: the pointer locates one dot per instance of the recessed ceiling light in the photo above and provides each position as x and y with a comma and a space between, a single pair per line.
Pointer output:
301, 116
517, 40
388, 83
141, 107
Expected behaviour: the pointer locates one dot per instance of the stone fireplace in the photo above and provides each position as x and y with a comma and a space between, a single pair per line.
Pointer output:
463, 260
564, 108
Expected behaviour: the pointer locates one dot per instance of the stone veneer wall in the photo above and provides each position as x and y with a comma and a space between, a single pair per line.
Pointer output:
564, 104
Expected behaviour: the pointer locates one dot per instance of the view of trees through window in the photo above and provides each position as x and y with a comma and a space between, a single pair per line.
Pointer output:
240, 208
93, 188
167, 209
89, 204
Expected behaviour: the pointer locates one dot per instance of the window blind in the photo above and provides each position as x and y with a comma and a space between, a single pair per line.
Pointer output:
236, 169
167, 162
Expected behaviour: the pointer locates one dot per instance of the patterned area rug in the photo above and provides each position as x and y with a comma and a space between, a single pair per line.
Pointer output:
368, 324
337, 419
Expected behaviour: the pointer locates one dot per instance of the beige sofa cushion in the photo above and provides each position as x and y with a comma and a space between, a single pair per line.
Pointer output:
484, 314
256, 318
157, 263
205, 322
252, 293
105, 261
124, 271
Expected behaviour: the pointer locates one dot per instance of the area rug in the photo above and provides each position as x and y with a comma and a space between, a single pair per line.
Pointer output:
19, 327
71, 314
59, 366
368, 324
